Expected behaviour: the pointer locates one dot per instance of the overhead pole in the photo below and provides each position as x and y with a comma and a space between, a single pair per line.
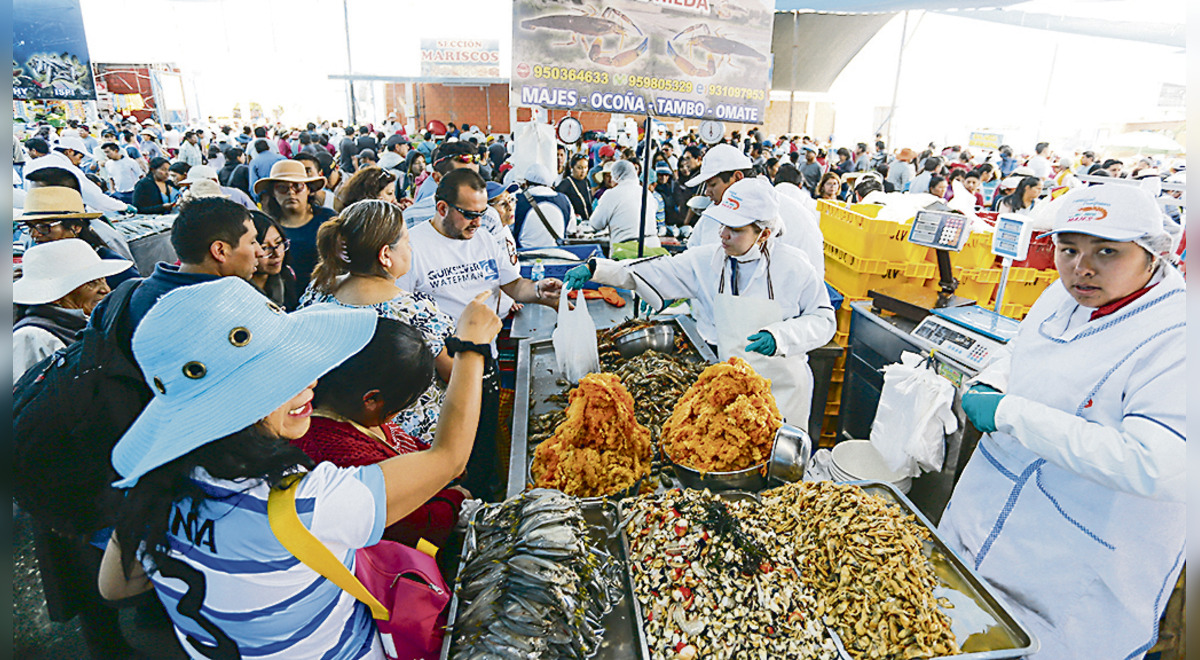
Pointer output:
896, 86
349, 64
645, 202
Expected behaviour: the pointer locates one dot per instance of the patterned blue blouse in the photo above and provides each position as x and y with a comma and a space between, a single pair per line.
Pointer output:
420, 311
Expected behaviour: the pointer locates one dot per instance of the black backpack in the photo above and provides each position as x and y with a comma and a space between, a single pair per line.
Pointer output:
69, 410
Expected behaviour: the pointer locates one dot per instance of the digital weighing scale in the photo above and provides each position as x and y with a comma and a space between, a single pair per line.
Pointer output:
972, 335
944, 232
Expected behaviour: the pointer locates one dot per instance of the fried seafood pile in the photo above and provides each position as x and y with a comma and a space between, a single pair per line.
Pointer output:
532, 584
862, 556
707, 587
600, 448
726, 420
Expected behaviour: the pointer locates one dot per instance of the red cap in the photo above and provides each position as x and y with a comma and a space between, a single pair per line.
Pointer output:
607, 150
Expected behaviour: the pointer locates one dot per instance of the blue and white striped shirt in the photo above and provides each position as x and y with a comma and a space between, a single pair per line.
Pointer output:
231, 587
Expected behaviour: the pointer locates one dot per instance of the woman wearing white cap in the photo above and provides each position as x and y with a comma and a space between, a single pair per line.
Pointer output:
62, 283
200, 462
1073, 504
751, 298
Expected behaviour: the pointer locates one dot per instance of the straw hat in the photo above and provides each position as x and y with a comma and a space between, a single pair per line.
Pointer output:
52, 270
289, 171
52, 203
73, 143
244, 357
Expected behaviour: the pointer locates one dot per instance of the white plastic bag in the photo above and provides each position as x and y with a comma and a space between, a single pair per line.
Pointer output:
914, 416
574, 340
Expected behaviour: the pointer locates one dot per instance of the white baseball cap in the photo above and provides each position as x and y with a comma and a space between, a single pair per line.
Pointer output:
746, 201
199, 173
720, 158
73, 143
1114, 212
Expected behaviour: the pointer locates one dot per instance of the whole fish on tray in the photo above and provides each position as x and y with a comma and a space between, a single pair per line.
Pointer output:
532, 584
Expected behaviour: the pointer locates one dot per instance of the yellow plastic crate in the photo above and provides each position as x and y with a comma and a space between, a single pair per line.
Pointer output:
831, 408
854, 277
1026, 293
977, 253
856, 230
842, 338
843, 319
1017, 312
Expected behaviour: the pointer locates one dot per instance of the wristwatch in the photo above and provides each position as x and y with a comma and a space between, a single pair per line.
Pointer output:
456, 345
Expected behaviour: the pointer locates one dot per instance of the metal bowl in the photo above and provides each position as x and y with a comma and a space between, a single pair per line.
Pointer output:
790, 454
660, 337
751, 479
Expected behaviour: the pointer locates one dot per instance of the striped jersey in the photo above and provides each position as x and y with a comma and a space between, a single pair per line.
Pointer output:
232, 590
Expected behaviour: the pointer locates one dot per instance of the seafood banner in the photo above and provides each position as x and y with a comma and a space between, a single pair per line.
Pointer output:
460, 58
50, 52
704, 59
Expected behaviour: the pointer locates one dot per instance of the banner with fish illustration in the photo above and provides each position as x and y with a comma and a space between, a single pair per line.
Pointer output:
50, 52
704, 59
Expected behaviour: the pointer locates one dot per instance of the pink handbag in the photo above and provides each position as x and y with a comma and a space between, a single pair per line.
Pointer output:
402, 586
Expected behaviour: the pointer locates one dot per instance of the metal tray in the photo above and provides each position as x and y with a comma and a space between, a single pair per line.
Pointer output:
1006, 637
537, 373
621, 628
640, 622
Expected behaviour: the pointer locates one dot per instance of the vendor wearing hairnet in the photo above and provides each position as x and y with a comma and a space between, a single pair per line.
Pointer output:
757, 299
1073, 504
618, 211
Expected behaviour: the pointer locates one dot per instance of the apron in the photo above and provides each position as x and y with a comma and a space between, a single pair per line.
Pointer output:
1087, 568
738, 317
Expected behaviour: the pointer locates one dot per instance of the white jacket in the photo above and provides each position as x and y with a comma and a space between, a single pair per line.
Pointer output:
1075, 507
801, 229
92, 195
618, 210
808, 321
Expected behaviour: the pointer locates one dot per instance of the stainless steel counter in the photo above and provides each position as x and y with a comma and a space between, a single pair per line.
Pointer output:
877, 340
537, 378
537, 321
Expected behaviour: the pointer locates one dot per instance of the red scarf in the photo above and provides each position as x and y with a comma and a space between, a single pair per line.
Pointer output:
1105, 310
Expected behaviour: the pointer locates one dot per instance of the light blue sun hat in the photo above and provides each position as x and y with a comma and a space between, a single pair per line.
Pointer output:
220, 357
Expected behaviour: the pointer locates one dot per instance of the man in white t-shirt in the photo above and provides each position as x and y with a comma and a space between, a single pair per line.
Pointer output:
121, 171
453, 259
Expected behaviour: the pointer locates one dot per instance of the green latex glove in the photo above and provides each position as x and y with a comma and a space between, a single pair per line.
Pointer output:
980, 403
577, 277
761, 342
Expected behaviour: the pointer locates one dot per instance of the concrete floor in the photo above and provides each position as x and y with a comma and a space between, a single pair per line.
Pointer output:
35, 636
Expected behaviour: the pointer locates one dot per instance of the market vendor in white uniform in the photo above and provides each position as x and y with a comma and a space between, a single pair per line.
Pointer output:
1073, 504
725, 165
751, 297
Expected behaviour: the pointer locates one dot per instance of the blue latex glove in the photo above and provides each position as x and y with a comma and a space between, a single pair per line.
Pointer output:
577, 277
644, 308
130, 208
980, 403
761, 342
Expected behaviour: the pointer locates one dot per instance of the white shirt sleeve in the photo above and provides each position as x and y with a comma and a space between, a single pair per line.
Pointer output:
350, 504
1146, 454
30, 346
815, 325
